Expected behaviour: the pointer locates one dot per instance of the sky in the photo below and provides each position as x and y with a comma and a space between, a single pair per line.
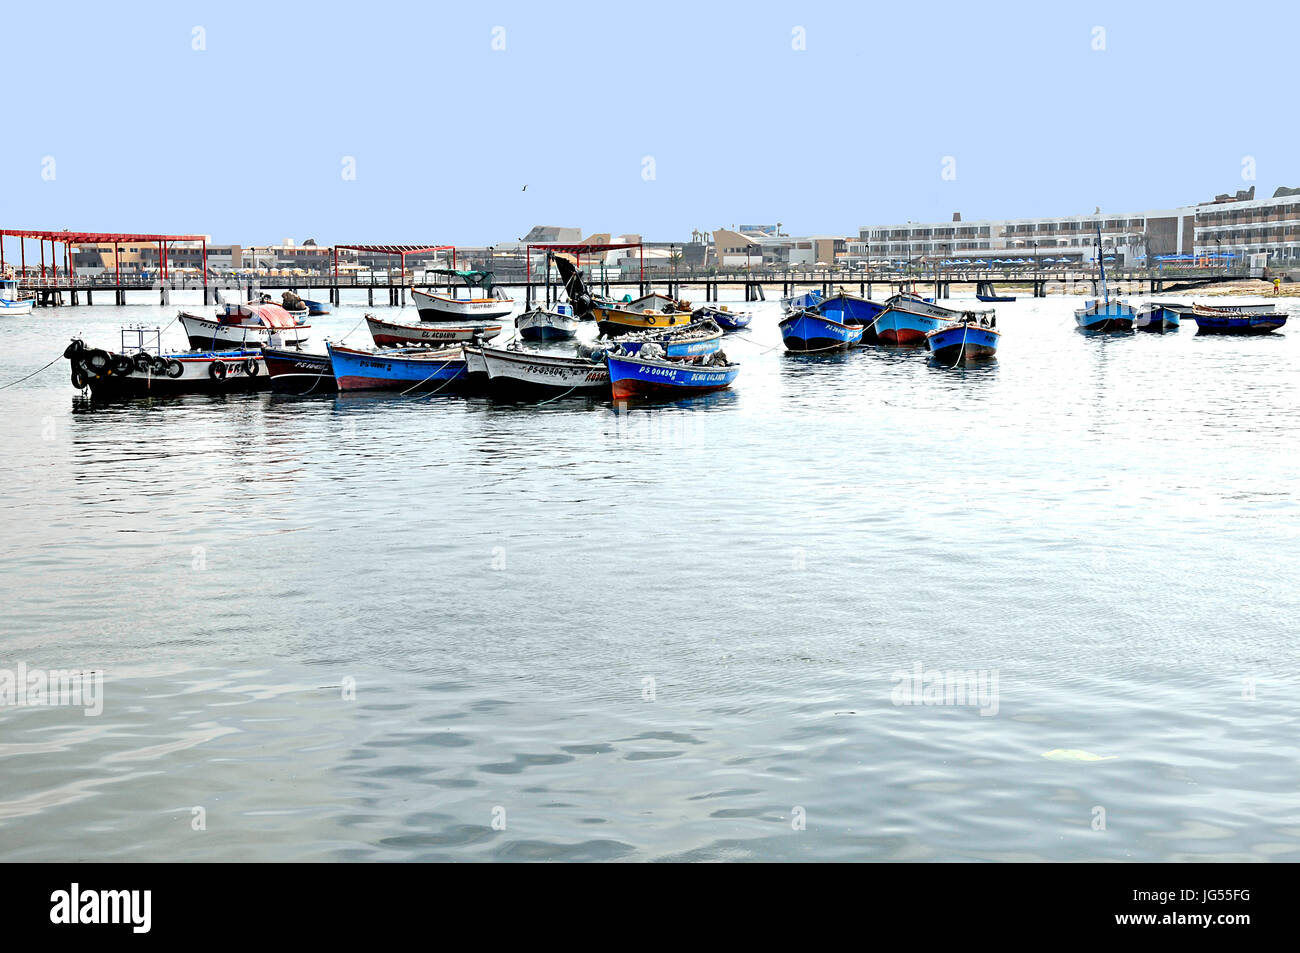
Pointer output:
424, 122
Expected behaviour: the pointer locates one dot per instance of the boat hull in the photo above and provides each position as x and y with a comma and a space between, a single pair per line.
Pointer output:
633, 378
391, 334
438, 307
239, 370
616, 321
677, 348
1106, 316
367, 370
543, 325
529, 374
907, 328
1157, 318
850, 309
10, 308
806, 332
298, 372
962, 342
1239, 323
727, 320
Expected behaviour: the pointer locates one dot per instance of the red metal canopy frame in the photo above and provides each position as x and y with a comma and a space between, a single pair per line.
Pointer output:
69, 238
577, 250
400, 250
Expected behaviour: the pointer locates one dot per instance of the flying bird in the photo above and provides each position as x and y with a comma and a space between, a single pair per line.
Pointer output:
524, 189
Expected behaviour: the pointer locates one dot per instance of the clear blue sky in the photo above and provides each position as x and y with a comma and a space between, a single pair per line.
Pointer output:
246, 139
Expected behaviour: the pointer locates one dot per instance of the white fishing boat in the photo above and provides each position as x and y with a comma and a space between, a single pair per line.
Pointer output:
248, 326
392, 334
482, 304
517, 371
11, 302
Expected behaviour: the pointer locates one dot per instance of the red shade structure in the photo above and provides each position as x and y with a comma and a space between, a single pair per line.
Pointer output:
70, 238
400, 250
578, 249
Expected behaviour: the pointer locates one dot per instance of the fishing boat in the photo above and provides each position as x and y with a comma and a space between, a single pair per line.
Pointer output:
294, 371
1158, 317
907, 319
484, 302
315, 308
13, 303
1103, 314
392, 334
1000, 299
969, 339
689, 341
1236, 320
806, 301
647, 375
245, 326
519, 372
723, 317
556, 323
402, 370
807, 331
650, 311
852, 309
121, 374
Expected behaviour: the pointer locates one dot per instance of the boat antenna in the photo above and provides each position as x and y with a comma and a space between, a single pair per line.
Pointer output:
1101, 263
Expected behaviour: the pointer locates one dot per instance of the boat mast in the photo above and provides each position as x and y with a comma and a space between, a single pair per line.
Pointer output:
1101, 263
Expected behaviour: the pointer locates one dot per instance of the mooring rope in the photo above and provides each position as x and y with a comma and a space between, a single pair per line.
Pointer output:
33, 373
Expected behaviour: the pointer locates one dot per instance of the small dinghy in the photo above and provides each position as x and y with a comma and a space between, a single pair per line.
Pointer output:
556, 323
1242, 319
392, 334
650, 376
806, 332
726, 319
396, 369
969, 339
136, 372
315, 308
1157, 317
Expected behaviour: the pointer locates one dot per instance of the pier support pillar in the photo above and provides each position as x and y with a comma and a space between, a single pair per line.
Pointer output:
370, 296
163, 297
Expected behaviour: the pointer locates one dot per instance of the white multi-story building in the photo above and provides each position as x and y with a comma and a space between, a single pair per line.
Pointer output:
1244, 226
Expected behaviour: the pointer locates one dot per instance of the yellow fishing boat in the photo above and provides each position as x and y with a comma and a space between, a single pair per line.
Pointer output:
653, 310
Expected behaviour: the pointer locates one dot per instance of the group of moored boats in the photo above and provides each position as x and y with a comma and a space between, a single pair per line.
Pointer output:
813, 324
1103, 315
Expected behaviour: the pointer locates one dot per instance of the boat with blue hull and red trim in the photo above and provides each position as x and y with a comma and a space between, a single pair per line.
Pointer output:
396, 369
1242, 319
654, 378
807, 332
967, 340
907, 319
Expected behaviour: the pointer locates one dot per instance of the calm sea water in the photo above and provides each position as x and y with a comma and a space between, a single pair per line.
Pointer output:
408, 628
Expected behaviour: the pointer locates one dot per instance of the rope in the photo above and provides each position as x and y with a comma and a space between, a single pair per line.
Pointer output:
429, 378
33, 373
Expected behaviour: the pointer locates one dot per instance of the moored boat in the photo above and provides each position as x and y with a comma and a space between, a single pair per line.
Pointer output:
1158, 317
12, 302
1236, 320
807, 331
651, 377
518, 372
393, 334
142, 374
315, 308
1104, 315
966, 340
403, 370
853, 309
484, 302
556, 323
690, 341
801, 302
723, 317
243, 326
295, 371
907, 319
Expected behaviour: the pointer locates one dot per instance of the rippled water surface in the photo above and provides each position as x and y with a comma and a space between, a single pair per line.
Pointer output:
667, 632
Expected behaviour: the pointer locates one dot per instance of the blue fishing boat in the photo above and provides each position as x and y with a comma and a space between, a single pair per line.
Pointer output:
966, 340
853, 309
315, 308
1102, 314
907, 319
1237, 320
1158, 317
395, 369
807, 331
652, 377
693, 340
723, 318
995, 298
802, 302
